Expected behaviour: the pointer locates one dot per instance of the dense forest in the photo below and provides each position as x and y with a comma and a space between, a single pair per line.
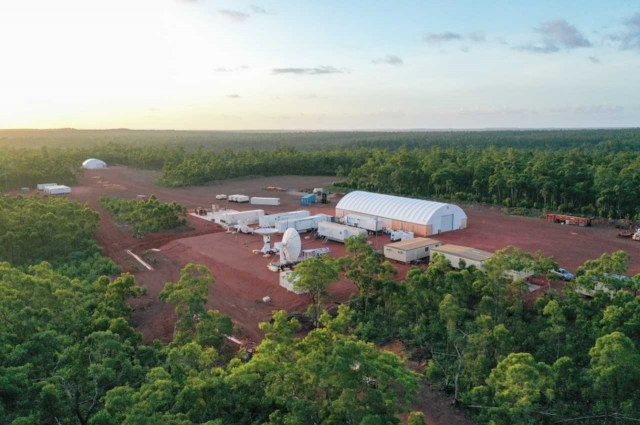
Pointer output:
560, 359
616, 139
591, 172
68, 354
145, 216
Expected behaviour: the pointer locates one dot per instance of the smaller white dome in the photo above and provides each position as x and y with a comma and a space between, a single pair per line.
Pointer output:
93, 164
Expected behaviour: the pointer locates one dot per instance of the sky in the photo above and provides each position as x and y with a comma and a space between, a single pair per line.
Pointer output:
314, 65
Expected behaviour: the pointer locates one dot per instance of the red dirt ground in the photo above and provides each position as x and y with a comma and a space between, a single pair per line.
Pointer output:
489, 229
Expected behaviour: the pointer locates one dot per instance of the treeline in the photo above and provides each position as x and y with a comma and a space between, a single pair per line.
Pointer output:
55, 230
560, 359
69, 356
587, 182
145, 216
599, 139
592, 172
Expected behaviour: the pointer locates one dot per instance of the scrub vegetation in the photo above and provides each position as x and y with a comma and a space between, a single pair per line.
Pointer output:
145, 216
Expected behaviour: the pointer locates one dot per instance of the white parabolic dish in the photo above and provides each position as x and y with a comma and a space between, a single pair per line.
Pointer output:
292, 245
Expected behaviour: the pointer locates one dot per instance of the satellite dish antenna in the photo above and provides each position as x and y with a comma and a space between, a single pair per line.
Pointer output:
291, 246
266, 233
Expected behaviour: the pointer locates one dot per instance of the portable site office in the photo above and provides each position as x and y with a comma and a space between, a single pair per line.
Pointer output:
410, 250
471, 256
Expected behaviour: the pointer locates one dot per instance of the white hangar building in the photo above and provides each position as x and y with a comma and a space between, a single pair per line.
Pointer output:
423, 218
93, 164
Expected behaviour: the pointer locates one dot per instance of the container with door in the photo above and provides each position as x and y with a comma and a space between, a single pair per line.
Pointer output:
257, 200
307, 200
411, 251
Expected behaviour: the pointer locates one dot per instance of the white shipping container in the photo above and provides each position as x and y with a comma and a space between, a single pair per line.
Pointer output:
338, 232
270, 220
246, 217
42, 186
256, 200
57, 190
371, 224
301, 224
238, 198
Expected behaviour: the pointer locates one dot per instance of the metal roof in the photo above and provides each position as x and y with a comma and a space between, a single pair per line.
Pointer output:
412, 243
463, 252
392, 207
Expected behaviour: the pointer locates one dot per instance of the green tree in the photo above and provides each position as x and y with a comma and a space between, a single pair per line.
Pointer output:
315, 275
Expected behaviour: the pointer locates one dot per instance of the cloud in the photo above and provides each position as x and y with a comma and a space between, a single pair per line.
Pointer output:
234, 96
258, 10
464, 49
235, 15
594, 59
477, 37
442, 37
237, 68
320, 70
389, 60
556, 35
630, 39
561, 32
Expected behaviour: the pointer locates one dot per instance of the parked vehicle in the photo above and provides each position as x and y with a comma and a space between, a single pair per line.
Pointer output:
563, 273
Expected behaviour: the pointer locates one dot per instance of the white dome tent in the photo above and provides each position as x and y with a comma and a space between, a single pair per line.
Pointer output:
93, 164
423, 218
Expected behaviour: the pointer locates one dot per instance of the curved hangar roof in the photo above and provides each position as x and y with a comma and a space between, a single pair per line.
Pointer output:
92, 163
395, 207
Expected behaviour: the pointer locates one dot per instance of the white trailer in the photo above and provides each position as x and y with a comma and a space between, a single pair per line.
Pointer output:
411, 250
242, 217
270, 220
371, 224
301, 224
57, 190
43, 186
256, 200
238, 198
338, 232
